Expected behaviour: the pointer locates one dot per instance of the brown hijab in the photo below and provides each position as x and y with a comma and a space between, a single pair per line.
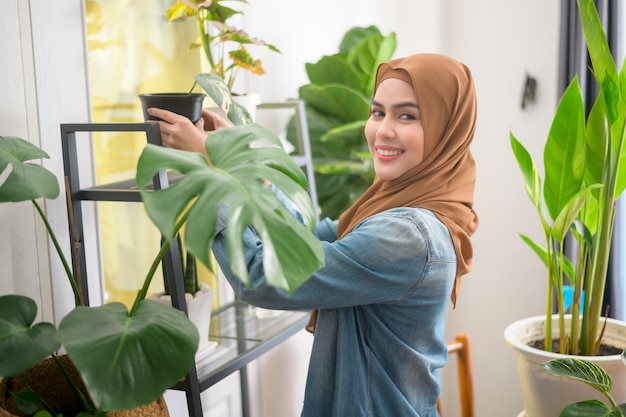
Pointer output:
444, 181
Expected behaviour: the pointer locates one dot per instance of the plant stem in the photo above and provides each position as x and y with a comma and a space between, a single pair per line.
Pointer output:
563, 342
606, 218
79, 395
77, 297
193, 86
204, 38
141, 294
547, 340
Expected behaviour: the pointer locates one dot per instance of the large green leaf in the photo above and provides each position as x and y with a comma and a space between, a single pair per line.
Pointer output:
19, 179
597, 131
127, 361
242, 159
532, 181
355, 35
603, 64
564, 151
353, 132
582, 370
217, 89
619, 135
595, 408
334, 69
368, 54
570, 211
23, 345
338, 100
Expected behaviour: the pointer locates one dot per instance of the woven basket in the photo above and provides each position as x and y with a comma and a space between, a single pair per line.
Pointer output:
47, 380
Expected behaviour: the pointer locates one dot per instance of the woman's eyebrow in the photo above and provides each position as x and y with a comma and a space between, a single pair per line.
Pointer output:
398, 105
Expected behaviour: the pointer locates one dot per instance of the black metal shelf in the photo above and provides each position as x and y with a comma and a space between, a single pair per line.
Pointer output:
241, 337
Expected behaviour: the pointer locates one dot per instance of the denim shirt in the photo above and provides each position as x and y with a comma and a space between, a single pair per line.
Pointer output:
382, 297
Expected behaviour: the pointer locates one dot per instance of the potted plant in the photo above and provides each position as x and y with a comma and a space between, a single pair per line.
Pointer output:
215, 36
342, 163
123, 351
595, 377
583, 179
198, 296
225, 48
110, 360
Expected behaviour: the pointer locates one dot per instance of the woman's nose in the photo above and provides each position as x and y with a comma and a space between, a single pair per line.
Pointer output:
385, 128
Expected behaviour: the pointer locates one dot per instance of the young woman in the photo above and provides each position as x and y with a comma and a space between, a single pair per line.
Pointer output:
392, 260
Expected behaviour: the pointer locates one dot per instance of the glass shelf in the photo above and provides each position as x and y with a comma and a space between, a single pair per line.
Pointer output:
241, 337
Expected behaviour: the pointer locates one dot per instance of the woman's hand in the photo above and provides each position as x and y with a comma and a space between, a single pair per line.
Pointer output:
213, 121
178, 132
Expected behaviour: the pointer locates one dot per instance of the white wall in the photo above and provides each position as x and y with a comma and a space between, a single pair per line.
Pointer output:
500, 41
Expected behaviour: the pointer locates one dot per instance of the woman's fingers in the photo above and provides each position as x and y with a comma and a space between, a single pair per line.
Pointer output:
213, 121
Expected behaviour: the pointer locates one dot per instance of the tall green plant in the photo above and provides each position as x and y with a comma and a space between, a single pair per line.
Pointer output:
583, 179
337, 105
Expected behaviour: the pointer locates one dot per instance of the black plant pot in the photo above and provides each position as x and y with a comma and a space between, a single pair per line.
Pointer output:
185, 104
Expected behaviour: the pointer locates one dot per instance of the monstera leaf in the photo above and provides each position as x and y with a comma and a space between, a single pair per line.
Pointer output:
22, 344
132, 357
21, 180
242, 161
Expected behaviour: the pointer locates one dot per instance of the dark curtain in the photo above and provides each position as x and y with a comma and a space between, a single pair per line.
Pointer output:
573, 59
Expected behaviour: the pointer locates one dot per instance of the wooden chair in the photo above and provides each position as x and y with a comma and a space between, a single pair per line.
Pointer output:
461, 346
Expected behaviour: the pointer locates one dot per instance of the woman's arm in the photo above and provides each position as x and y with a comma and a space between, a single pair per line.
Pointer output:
382, 260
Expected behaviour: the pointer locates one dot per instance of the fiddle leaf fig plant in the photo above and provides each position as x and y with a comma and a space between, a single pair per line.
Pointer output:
584, 175
242, 162
337, 101
592, 375
111, 346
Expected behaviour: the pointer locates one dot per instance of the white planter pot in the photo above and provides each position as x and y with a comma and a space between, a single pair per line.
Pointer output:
198, 310
546, 395
249, 102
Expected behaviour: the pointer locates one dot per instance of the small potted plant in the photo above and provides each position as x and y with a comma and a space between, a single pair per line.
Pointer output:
224, 46
198, 296
583, 179
226, 50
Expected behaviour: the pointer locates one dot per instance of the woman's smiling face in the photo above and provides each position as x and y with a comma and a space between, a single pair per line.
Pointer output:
394, 131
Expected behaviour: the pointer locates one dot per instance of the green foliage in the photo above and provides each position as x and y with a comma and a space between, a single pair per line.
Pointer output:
235, 177
592, 375
337, 104
583, 179
219, 92
110, 346
241, 162
224, 46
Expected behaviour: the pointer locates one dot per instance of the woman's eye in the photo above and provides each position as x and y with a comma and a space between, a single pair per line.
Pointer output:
407, 116
377, 113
